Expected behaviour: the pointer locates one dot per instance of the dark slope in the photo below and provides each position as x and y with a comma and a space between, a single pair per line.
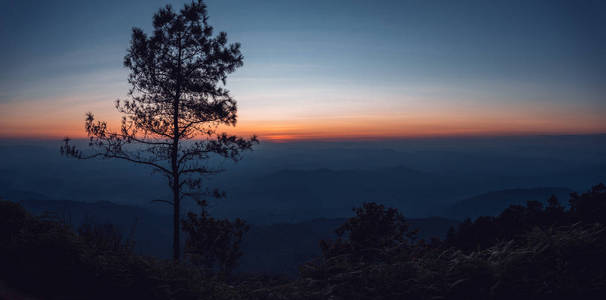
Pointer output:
492, 203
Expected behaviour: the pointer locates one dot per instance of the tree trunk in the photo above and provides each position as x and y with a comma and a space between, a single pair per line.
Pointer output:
176, 184
176, 191
176, 220
175, 166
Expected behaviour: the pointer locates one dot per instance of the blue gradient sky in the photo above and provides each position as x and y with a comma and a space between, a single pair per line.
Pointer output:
328, 69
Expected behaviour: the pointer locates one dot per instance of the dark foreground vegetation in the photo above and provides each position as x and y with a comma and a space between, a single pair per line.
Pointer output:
527, 252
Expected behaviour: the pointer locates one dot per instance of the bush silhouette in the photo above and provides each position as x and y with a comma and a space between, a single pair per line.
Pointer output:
213, 244
48, 259
366, 236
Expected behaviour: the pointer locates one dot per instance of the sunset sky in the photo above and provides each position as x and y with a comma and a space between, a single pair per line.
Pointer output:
328, 69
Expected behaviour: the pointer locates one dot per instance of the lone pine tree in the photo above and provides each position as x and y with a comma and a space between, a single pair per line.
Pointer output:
176, 103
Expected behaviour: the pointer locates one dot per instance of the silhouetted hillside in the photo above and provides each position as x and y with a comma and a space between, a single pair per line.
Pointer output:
527, 252
587, 208
492, 203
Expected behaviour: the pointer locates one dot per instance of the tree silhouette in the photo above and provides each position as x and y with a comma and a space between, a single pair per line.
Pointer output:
177, 101
376, 226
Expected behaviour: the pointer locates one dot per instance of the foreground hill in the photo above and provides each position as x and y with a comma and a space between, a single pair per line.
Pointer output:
526, 252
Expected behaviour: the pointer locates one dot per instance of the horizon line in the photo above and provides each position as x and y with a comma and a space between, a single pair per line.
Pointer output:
369, 138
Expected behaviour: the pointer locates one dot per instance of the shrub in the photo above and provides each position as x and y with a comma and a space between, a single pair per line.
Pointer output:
212, 244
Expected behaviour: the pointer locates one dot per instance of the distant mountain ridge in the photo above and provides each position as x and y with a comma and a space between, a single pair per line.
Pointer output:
297, 182
304, 194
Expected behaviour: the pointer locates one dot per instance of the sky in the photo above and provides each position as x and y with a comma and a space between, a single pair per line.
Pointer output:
341, 69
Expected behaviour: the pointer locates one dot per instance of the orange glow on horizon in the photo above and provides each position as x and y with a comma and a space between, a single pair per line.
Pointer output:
60, 118
327, 130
